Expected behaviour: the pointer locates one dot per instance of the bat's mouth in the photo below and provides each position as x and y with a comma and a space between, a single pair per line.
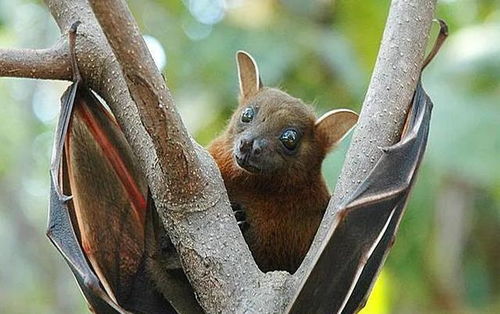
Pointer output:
245, 163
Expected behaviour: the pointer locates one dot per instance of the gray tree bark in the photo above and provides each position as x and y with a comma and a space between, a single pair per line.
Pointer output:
185, 182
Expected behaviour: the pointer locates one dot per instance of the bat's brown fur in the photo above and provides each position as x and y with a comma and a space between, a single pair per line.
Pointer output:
282, 218
283, 209
285, 203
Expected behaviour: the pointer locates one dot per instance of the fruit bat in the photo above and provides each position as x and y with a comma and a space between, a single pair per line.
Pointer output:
366, 223
101, 218
103, 221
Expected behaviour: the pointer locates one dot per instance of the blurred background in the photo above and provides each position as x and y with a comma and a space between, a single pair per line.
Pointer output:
447, 255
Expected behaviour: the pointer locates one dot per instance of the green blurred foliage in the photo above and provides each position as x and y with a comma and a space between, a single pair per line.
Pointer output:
446, 257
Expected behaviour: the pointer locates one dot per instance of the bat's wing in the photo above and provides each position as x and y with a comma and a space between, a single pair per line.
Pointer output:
60, 228
100, 229
366, 224
102, 218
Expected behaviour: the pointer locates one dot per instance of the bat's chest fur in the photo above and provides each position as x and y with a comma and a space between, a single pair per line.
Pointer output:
281, 226
282, 221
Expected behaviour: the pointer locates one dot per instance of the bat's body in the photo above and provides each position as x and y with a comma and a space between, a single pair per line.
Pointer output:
270, 158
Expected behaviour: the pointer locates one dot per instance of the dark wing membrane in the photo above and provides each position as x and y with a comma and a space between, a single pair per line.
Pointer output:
100, 229
418, 123
61, 233
366, 224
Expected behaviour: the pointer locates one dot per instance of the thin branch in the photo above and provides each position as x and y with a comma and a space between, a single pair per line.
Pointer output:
386, 104
51, 63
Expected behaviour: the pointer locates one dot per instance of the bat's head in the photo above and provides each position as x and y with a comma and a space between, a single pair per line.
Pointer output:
275, 133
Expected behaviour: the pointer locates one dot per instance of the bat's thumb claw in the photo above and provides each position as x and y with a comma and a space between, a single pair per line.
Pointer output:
65, 198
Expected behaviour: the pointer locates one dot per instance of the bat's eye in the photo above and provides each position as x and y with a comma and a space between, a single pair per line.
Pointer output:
290, 139
247, 115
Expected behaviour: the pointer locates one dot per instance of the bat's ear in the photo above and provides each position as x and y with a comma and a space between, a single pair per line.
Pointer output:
248, 74
334, 125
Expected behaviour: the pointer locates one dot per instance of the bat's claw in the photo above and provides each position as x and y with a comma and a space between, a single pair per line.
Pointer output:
63, 197
241, 216
66, 198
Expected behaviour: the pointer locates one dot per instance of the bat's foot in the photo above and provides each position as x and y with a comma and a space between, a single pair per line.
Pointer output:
241, 216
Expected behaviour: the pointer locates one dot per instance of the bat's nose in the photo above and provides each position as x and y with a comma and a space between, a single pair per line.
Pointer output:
246, 145
251, 146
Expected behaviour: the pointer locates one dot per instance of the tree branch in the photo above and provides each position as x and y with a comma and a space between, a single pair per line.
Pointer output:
391, 89
385, 107
52, 63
